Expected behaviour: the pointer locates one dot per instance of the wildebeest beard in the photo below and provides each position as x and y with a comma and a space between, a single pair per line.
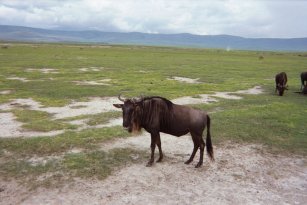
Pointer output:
136, 119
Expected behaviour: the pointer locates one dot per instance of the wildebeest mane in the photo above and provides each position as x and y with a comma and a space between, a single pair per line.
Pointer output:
168, 103
151, 110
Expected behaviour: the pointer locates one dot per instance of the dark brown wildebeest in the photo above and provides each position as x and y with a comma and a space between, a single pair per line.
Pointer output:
281, 83
157, 114
303, 79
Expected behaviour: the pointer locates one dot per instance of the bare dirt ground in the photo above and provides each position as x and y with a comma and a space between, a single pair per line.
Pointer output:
43, 70
98, 82
241, 174
185, 80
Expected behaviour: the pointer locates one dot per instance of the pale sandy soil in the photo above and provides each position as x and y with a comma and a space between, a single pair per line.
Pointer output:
18, 78
241, 174
43, 70
98, 82
5, 92
94, 69
185, 80
12, 128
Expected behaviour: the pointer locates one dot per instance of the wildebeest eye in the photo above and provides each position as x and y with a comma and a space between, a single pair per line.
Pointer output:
128, 110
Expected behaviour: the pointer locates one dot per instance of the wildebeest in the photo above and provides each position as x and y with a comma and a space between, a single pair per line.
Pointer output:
156, 114
281, 83
303, 79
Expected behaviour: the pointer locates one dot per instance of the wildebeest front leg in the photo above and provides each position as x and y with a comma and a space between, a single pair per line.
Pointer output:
158, 142
276, 89
152, 147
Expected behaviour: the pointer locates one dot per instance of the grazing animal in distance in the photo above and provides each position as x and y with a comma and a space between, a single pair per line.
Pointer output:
281, 83
303, 80
156, 114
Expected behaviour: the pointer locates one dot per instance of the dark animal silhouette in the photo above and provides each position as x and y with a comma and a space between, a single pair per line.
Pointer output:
157, 114
281, 83
303, 80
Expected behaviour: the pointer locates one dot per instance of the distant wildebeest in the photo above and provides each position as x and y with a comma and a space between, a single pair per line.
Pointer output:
303, 79
281, 83
157, 114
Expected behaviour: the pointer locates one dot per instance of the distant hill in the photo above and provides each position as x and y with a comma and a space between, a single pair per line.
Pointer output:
18, 33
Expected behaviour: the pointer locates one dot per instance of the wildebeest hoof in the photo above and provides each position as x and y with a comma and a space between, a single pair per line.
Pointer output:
160, 159
149, 164
188, 161
198, 165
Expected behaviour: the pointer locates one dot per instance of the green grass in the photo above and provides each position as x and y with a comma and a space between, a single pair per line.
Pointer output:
42, 146
95, 164
277, 122
40, 121
102, 118
279, 125
98, 163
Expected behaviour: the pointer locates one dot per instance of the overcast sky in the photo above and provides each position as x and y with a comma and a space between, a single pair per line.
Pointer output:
247, 18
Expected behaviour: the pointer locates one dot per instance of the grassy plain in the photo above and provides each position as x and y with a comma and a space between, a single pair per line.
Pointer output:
280, 123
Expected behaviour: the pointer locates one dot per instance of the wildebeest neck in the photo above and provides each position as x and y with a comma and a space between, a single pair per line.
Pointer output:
156, 111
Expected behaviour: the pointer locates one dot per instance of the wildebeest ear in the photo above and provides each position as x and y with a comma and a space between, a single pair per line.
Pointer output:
118, 105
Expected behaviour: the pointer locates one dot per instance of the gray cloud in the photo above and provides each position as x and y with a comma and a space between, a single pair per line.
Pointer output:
247, 18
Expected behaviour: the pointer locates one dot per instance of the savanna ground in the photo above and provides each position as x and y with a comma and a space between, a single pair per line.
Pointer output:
61, 141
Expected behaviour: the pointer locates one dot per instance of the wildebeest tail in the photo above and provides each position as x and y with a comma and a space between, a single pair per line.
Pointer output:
208, 140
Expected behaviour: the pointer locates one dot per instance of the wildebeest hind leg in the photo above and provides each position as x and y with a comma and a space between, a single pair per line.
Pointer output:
196, 145
158, 142
201, 158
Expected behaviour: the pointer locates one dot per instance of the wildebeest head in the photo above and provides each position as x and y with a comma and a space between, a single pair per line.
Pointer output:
281, 83
131, 113
281, 89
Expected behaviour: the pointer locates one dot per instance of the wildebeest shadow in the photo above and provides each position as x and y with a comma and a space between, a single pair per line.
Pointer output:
301, 93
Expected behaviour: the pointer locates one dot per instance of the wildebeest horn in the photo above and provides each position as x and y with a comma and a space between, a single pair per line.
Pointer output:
121, 99
139, 99
134, 100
